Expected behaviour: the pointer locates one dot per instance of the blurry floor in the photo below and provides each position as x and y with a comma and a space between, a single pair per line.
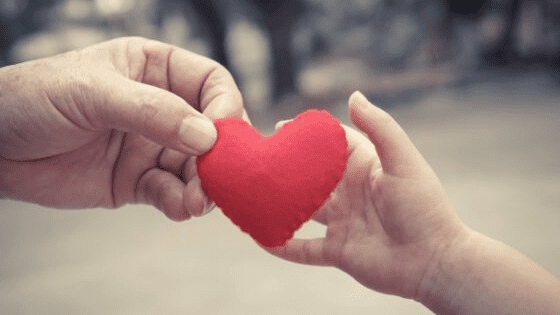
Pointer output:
494, 144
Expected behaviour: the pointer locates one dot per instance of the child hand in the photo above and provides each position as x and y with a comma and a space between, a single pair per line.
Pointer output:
388, 219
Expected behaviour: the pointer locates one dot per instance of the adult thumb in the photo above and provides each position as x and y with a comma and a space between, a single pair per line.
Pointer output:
157, 114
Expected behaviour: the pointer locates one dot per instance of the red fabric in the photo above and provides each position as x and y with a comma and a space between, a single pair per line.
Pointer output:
269, 186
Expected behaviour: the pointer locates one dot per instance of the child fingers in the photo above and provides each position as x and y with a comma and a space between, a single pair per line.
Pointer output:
281, 123
309, 252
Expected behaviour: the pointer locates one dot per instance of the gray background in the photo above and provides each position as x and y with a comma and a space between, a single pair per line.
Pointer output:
491, 135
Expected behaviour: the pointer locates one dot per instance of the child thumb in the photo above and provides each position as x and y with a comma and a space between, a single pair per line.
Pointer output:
397, 153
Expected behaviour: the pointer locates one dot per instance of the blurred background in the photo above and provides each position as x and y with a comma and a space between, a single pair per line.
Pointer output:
475, 84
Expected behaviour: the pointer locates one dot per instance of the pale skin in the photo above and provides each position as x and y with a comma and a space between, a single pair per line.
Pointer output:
392, 228
112, 124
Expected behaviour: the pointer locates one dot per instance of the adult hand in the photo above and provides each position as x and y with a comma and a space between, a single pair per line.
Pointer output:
115, 123
388, 219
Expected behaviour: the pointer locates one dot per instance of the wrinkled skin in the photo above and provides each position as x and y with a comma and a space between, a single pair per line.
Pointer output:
100, 127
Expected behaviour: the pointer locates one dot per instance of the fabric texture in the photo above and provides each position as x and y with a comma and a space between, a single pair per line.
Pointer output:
269, 186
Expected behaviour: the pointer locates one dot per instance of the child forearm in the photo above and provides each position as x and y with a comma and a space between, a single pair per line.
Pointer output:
484, 276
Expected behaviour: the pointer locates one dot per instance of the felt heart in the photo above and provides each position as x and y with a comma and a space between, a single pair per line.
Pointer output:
269, 186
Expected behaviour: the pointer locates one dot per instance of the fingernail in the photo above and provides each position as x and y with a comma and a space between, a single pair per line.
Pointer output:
280, 124
360, 100
198, 133
208, 206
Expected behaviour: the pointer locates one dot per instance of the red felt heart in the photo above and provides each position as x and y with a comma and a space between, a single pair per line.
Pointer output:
269, 186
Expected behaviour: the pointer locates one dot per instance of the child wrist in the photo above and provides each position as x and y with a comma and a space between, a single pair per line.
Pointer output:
442, 285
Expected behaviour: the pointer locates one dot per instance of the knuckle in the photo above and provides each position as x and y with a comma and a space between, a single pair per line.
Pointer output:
149, 108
